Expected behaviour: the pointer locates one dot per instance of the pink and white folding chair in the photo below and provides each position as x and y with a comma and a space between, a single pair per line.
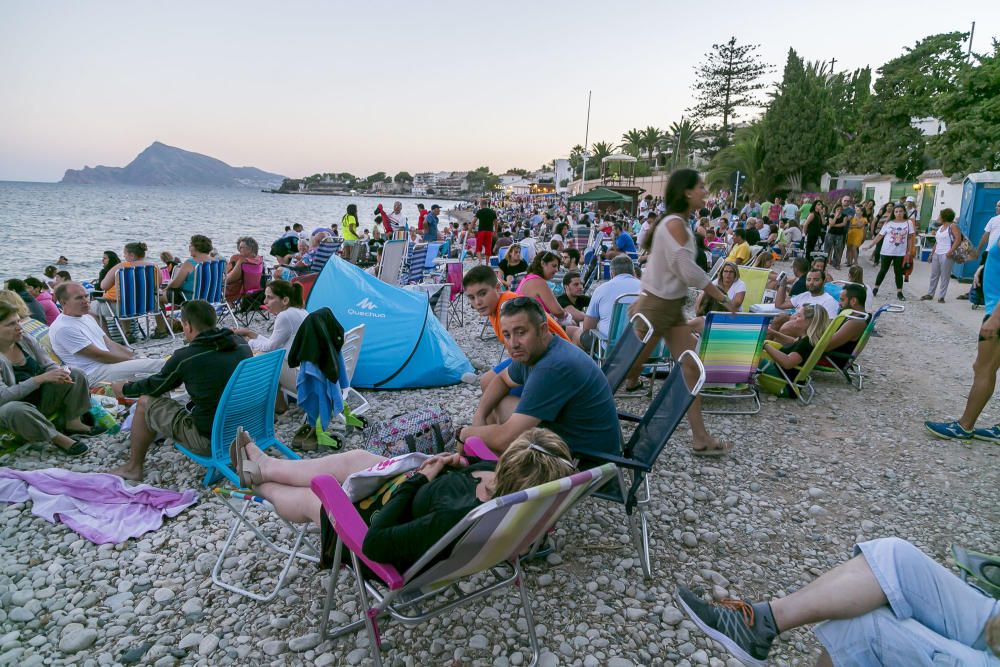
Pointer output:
490, 539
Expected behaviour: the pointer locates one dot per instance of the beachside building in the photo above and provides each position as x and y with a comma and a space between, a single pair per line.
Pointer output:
454, 184
563, 174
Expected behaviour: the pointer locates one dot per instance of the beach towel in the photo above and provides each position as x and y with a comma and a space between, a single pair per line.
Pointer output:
98, 506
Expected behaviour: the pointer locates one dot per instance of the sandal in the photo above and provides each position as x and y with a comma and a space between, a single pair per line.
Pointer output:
237, 448
724, 450
78, 448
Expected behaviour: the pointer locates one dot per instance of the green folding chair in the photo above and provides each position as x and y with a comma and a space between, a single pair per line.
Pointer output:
848, 364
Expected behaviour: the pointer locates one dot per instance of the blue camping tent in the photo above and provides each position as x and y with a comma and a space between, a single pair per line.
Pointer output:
405, 346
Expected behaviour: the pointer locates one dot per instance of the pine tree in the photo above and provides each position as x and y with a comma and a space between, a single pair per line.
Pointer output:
728, 82
798, 128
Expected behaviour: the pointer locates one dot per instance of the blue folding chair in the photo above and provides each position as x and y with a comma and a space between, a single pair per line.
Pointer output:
247, 401
210, 286
137, 296
416, 267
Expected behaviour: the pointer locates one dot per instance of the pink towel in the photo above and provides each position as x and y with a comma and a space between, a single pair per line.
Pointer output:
98, 506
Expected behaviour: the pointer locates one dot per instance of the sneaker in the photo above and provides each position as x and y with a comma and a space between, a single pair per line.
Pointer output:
991, 434
949, 430
926, 297
746, 631
899, 295
874, 291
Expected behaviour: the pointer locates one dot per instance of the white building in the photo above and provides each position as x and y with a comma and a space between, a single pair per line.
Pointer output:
563, 173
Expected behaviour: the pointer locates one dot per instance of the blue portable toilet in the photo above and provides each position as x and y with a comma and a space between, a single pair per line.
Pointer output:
980, 194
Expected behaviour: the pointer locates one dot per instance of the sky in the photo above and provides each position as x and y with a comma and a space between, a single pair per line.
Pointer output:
303, 87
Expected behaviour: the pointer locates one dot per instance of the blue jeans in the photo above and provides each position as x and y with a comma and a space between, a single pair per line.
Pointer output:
933, 617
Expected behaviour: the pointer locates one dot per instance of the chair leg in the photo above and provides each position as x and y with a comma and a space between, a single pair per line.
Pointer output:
529, 618
370, 614
331, 589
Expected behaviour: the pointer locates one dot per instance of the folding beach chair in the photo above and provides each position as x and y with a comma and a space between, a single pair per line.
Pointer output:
40, 333
659, 359
639, 454
756, 282
327, 248
250, 303
453, 273
415, 267
800, 384
624, 351
731, 347
848, 364
247, 401
137, 297
390, 267
483, 549
351, 351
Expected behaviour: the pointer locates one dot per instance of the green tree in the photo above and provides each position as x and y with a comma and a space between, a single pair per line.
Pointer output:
374, 178
632, 143
599, 151
651, 138
482, 180
798, 128
518, 171
971, 112
403, 177
681, 140
746, 155
906, 88
576, 159
729, 81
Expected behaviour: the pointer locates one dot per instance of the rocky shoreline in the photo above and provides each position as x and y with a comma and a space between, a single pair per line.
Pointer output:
804, 484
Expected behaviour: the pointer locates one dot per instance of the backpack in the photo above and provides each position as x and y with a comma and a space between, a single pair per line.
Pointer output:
428, 431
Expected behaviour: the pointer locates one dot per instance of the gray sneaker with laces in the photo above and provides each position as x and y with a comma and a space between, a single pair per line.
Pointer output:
745, 630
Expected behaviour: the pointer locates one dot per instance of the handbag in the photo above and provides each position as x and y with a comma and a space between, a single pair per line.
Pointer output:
963, 251
428, 431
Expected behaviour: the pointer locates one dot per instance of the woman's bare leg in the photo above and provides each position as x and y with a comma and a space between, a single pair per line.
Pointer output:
679, 340
293, 503
301, 472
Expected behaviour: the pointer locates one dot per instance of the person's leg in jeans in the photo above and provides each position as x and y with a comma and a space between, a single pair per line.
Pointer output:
883, 269
929, 611
838, 250
946, 264
897, 270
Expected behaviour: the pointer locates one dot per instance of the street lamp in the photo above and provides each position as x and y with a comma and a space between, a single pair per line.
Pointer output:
583, 175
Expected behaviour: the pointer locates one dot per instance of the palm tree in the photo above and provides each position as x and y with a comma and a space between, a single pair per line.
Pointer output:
682, 139
632, 143
599, 151
745, 155
651, 138
576, 158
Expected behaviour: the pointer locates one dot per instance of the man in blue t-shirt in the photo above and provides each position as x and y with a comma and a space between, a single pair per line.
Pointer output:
431, 224
624, 245
562, 388
985, 367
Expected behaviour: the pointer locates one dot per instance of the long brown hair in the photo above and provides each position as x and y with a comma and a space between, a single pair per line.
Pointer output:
674, 198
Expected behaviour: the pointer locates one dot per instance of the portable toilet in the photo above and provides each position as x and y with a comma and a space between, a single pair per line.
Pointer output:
980, 194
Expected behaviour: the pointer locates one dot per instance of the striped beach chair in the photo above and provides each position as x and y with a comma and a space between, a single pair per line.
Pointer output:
731, 347
484, 549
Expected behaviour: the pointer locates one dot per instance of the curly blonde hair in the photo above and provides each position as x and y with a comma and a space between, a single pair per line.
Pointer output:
536, 457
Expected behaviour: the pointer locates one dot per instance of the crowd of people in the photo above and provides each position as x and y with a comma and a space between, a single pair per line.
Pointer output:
547, 401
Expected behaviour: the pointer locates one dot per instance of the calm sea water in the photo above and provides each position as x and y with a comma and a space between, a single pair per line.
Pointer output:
40, 221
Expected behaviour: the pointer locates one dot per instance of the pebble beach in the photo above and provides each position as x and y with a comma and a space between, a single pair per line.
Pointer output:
804, 484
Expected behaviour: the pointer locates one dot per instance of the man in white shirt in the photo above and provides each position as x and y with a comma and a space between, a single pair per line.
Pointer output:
602, 302
990, 233
397, 219
790, 211
814, 294
81, 343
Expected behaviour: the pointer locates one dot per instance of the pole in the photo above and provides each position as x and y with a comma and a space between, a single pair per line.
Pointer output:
677, 144
736, 194
971, 33
586, 149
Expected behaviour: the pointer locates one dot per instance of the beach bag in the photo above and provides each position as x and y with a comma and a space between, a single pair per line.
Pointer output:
364, 483
963, 252
428, 431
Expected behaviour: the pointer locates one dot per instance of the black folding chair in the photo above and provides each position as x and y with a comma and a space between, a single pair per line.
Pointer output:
627, 349
639, 455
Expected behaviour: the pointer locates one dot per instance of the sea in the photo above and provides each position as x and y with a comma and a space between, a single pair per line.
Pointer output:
41, 221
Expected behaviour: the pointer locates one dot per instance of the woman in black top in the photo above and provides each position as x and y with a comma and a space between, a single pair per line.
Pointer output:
411, 511
512, 264
814, 226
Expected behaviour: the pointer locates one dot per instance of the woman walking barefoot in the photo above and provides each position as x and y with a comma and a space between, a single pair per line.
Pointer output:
669, 271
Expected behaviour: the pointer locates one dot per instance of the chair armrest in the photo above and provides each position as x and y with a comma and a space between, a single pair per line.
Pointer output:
475, 446
350, 527
604, 457
629, 417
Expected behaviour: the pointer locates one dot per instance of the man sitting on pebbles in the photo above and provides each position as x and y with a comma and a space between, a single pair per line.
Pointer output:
561, 388
204, 368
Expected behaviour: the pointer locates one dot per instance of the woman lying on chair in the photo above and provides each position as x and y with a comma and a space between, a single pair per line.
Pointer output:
812, 321
410, 512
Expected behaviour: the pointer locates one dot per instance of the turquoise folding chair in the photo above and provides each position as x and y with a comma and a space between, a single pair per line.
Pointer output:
483, 549
730, 349
247, 401
659, 359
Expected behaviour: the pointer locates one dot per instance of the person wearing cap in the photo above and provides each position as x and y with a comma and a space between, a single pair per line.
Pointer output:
431, 224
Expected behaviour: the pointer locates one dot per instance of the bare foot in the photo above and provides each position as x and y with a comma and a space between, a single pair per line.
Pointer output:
128, 472
711, 447
77, 426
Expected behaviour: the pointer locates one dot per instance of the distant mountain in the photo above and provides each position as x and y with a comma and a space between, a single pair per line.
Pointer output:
165, 165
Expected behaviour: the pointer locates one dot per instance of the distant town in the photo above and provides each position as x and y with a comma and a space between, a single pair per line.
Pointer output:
552, 177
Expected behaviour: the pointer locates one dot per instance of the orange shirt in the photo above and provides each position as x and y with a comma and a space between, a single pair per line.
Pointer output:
507, 296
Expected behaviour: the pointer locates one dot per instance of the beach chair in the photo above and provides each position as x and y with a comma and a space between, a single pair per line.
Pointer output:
730, 349
326, 249
800, 383
415, 267
250, 303
247, 401
756, 282
848, 364
453, 273
390, 267
639, 454
137, 297
659, 360
483, 551
578, 236
40, 332
624, 351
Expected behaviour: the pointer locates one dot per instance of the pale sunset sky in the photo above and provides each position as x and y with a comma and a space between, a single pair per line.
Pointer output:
304, 87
